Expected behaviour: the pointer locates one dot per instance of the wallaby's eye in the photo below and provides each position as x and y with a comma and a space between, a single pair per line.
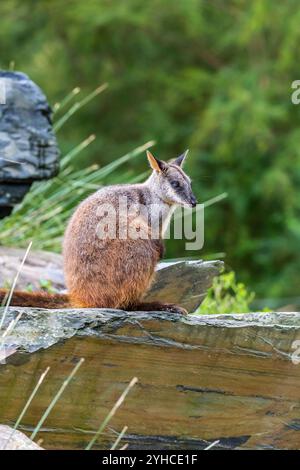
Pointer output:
175, 184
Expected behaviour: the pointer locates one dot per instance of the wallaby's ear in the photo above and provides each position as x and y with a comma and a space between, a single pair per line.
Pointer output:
156, 164
179, 161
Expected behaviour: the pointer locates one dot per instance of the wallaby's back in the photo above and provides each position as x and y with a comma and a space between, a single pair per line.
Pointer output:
107, 271
110, 251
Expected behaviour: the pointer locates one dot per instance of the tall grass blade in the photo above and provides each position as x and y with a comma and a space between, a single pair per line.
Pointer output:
215, 199
179, 213
120, 436
59, 106
111, 413
78, 105
211, 445
55, 399
76, 150
39, 383
13, 286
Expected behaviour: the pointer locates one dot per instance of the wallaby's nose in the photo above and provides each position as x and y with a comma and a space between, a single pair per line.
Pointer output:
193, 201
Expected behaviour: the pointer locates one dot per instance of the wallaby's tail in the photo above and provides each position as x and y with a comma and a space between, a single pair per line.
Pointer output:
36, 299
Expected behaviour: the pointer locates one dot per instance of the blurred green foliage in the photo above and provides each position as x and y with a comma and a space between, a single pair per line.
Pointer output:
213, 76
226, 296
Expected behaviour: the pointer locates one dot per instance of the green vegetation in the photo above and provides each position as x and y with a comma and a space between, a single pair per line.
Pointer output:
211, 76
226, 296
44, 285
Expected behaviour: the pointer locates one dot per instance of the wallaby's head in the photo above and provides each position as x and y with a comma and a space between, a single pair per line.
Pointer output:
170, 182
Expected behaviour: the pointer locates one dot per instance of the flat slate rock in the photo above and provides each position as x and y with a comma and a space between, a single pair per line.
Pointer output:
234, 379
41, 328
182, 282
15, 440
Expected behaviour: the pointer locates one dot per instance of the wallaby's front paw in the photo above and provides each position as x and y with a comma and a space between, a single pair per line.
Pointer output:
175, 309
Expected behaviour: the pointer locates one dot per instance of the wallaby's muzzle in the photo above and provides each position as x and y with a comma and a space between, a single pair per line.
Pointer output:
193, 201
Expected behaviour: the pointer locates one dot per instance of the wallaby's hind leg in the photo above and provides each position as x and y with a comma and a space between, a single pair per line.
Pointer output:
158, 306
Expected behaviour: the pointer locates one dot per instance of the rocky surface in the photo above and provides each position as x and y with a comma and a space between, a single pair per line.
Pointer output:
232, 378
15, 440
182, 282
28, 147
40, 265
228, 378
41, 328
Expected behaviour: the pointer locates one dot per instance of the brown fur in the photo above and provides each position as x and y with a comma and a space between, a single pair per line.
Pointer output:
111, 273
115, 272
36, 299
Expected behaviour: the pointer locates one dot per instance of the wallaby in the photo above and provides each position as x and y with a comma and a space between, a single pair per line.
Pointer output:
103, 265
